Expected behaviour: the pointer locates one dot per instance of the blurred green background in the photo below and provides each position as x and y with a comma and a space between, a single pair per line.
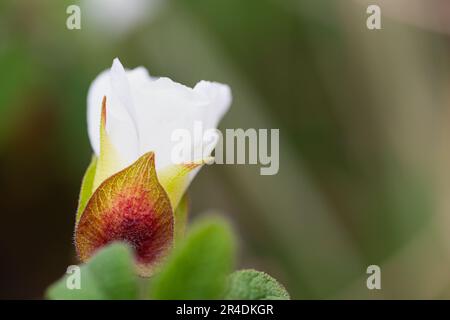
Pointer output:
364, 123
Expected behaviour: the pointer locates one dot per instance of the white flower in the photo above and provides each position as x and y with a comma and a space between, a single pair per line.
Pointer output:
143, 111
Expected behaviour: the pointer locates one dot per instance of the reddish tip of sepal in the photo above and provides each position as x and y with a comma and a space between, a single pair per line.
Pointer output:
103, 114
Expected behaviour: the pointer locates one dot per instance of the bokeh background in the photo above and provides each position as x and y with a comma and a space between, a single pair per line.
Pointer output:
364, 119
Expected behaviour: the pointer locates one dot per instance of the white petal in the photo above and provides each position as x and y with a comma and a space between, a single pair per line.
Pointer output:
119, 123
121, 89
219, 96
164, 106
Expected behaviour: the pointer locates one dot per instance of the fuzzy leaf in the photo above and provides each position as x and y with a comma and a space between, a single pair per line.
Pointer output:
198, 266
129, 206
254, 285
108, 275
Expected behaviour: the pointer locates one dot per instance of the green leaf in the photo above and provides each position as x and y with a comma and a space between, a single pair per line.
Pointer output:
88, 289
86, 187
254, 285
198, 266
108, 275
17, 63
114, 272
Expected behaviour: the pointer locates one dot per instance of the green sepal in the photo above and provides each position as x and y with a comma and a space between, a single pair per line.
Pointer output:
180, 219
86, 187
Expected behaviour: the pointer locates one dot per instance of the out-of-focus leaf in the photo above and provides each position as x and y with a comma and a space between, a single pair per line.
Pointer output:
198, 267
108, 275
254, 285
18, 77
86, 187
114, 272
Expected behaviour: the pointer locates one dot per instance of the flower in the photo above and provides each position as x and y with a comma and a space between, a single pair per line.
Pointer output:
132, 187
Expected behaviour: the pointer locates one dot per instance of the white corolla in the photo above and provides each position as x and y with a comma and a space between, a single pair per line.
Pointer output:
142, 112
